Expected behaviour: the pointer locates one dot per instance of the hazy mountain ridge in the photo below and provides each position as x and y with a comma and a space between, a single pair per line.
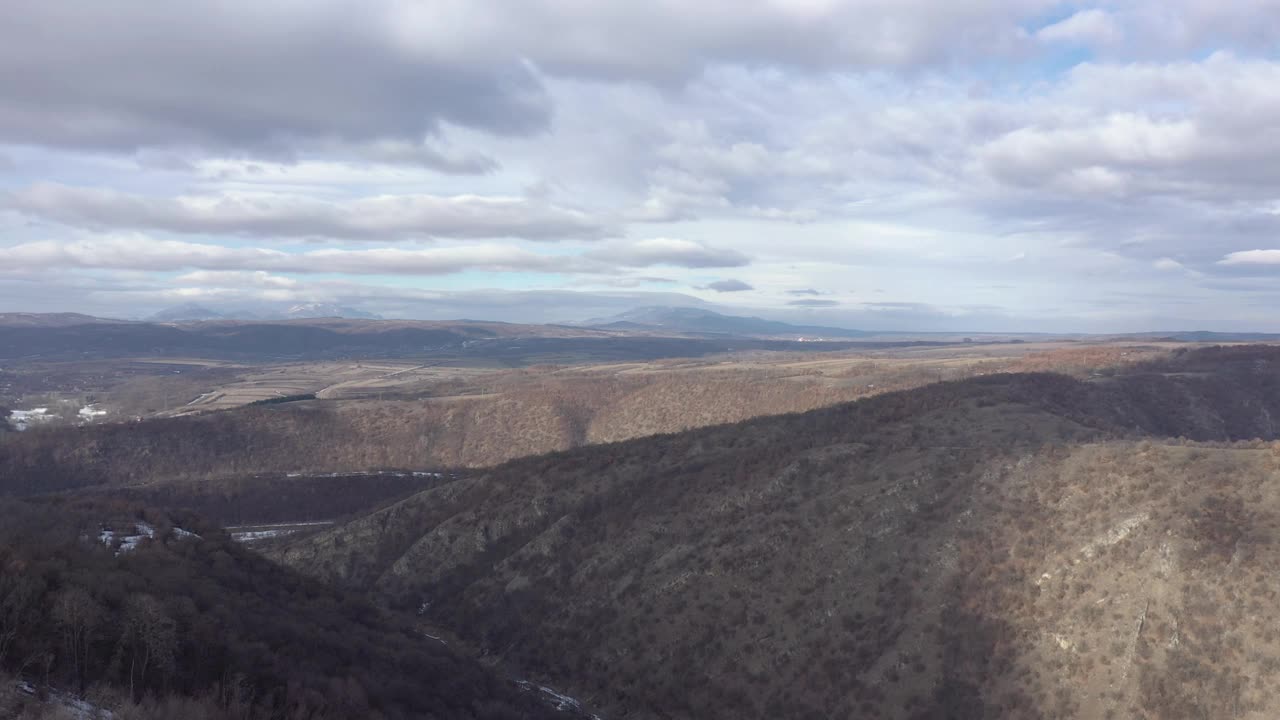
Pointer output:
192, 312
310, 337
699, 320
46, 320
324, 338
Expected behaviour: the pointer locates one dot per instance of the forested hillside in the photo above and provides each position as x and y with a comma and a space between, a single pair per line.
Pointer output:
1009, 546
158, 615
485, 420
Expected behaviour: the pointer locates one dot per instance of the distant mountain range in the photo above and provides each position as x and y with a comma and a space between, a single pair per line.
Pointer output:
1205, 336
700, 321
191, 312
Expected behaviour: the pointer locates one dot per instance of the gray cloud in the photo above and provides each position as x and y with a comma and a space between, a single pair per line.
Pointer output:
387, 217
247, 76
1150, 167
400, 152
813, 303
728, 285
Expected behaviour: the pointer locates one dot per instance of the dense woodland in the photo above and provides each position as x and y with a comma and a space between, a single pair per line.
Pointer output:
197, 627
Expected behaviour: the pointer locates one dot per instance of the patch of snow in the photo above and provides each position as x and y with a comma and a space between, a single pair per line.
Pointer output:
255, 535
366, 473
129, 543
75, 707
23, 419
81, 709
89, 412
560, 702
185, 533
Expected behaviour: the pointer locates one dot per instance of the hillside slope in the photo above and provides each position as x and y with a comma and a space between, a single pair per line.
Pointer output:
486, 419
1001, 547
159, 614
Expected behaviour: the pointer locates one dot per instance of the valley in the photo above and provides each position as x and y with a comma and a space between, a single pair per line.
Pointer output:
965, 529
1005, 546
603, 360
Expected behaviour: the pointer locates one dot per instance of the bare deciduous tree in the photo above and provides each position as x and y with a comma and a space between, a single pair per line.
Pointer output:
78, 615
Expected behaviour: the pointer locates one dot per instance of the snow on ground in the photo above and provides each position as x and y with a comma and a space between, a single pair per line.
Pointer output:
366, 473
23, 419
91, 411
129, 543
254, 533
75, 708
563, 703
142, 531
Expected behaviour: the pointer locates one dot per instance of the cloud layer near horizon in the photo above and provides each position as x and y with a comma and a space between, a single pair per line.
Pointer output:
920, 164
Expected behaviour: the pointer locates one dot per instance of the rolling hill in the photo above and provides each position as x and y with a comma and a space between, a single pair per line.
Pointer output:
1022, 545
482, 420
75, 337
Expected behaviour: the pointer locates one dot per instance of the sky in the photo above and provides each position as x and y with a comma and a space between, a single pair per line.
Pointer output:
945, 165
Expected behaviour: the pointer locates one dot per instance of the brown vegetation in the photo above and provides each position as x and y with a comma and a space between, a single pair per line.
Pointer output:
193, 626
478, 420
985, 548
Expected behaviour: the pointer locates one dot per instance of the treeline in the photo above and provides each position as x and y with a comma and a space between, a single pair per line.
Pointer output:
196, 622
256, 499
285, 399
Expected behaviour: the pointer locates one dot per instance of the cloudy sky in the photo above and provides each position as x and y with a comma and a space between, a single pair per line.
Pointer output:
889, 164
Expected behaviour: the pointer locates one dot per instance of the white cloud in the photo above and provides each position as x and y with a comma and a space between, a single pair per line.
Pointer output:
216, 263
381, 217
670, 251
237, 278
1090, 27
882, 150
1252, 257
